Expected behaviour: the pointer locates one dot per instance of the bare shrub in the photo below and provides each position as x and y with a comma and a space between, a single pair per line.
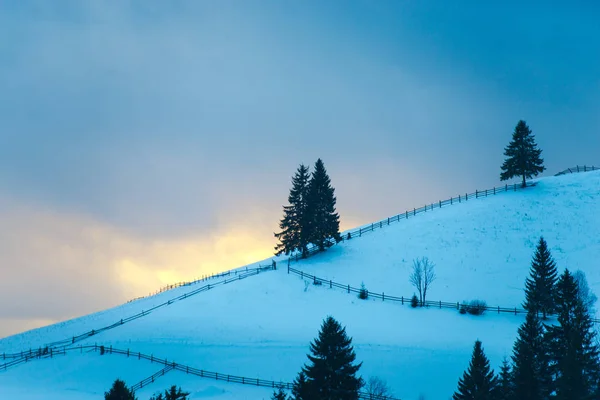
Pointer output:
476, 307
378, 389
423, 274
587, 297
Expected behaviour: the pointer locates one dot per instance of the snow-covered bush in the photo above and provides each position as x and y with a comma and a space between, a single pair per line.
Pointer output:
476, 307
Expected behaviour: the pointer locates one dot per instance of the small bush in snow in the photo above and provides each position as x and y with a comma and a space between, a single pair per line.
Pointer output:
364, 293
476, 307
414, 301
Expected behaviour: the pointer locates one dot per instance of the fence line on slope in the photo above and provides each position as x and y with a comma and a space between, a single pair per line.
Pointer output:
578, 168
151, 378
74, 339
103, 350
406, 300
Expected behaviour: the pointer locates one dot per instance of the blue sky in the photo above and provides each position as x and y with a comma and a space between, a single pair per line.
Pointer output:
163, 126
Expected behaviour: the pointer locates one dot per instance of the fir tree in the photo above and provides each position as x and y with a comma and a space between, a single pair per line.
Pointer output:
325, 220
531, 376
279, 394
478, 381
331, 374
119, 391
505, 387
523, 156
295, 225
573, 349
300, 388
539, 287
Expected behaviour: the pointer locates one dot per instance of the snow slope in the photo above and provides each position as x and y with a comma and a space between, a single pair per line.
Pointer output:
260, 327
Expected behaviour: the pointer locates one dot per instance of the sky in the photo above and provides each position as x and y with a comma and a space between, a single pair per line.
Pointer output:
148, 142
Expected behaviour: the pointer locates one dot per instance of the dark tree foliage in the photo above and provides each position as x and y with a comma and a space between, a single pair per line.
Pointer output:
300, 388
279, 394
523, 156
531, 376
295, 225
505, 387
172, 394
478, 381
321, 204
573, 349
331, 373
119, 391
539, 287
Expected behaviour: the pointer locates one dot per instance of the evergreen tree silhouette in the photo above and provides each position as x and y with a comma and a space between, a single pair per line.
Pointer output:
331, 373
539, 287
119, 391
573, 349
478, 381
295, 225
321, 204
523, 156
531, 375
300, 388
505, 387
279, 394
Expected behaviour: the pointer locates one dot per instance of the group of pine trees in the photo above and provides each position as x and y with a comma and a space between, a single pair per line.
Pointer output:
555, 360
310, 216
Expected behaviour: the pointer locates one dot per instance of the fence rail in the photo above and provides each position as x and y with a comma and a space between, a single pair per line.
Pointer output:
168, 366
75, 339
406, 300
578, 168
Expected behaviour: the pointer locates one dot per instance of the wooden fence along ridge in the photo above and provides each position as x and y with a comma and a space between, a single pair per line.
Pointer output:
578, 168
168, 366
405, 300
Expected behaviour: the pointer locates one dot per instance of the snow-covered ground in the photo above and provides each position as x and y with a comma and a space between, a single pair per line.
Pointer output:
260, 327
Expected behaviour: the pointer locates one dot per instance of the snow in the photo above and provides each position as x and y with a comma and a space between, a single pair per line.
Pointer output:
261, 326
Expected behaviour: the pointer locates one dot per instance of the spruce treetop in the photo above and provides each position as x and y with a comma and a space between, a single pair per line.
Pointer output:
540, 285
478, 381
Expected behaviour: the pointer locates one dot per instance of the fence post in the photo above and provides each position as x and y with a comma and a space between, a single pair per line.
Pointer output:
330, 284
515, 310
494, 189
348, 288
425, 207
402, 300
584, 169
388, 220
498, 309
506, 188
382, 296
450, 200
414, 211
457, 305
476, 194
372, 227
381, 223
466, 196
459, 198
440, 204
440, 304
406, 214
578, 168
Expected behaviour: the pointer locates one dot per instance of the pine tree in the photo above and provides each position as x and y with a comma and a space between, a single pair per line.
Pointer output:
300, 388
172, 394
573, 350
295, 225
119, 391
539, 287
279, 394
523, 155
505, 387
331, 374
478, 382
531, 376
321, 205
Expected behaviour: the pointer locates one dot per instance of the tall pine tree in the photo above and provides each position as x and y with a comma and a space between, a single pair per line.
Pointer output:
478, 381
523, 156
295, 225
505, 387
331, 374
539, 287
573, 349
531, 376
325, 221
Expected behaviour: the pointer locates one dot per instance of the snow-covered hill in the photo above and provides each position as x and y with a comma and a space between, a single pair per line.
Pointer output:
260, 327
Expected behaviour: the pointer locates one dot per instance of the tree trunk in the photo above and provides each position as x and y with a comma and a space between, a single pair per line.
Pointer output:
524, 183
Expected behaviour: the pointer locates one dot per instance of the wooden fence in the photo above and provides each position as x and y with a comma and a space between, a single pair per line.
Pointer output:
578, 168
75, 339
405, 300
168, 366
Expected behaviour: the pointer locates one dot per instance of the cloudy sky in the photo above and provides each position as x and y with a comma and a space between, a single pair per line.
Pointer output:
147, 142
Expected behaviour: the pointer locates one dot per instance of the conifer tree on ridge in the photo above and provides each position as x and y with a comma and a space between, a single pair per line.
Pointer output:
523, 156
321, 204
295, 224
539, 287
478, 381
